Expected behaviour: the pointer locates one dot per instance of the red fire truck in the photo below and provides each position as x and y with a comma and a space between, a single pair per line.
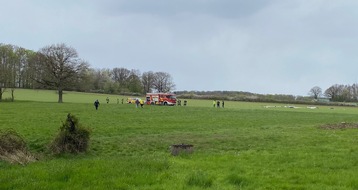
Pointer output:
161, 99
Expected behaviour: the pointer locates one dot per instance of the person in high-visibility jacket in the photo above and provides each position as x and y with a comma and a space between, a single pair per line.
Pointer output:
141, 103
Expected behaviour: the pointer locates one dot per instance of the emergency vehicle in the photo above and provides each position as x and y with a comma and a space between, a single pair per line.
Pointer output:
161, 99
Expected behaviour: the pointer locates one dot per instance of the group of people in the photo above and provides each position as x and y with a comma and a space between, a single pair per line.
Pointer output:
217, 104
118, 101
107, 100
137, 102
179, 102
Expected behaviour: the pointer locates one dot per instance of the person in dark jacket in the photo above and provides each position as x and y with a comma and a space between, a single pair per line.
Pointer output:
96, 104
137, 103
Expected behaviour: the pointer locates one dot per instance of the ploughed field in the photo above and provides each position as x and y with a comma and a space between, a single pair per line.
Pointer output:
241, 146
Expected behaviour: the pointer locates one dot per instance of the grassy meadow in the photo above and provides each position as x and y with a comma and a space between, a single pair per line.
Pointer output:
242, 146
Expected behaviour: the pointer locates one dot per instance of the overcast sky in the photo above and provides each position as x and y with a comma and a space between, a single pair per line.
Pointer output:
259, 46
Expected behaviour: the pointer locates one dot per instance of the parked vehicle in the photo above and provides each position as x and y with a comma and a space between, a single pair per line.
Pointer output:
161, 99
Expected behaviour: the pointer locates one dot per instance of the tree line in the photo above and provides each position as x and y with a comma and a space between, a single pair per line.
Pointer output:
58, 67
337, 93
242, 96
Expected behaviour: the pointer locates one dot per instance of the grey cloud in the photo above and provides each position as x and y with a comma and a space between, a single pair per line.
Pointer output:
215, 8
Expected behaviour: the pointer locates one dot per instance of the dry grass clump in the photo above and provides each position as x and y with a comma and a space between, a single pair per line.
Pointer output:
342, 125
13, 148
176, 149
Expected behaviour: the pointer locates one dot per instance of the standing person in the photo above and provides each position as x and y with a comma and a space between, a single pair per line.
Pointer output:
214, 102
107, 99
218, 104
96, 104
141, 103
222, 104
136, 103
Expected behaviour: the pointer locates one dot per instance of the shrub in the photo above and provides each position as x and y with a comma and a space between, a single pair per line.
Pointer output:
13, 148
72, 138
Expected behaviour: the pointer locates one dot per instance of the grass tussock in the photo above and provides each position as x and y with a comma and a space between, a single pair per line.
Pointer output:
200, 179
13, 148
237, 180
72, 138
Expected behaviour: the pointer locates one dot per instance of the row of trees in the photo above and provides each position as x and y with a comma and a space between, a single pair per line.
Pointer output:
59, 67
242, 96
337, 93
15, 66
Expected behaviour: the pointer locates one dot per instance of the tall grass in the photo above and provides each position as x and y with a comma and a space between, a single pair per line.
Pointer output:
243, 146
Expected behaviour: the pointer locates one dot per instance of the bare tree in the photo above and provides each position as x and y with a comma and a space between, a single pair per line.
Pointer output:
101, 78
345, 93
315, 92
147, 81
332, 92
12, 63
18, 60
163, 82
60, 66
354, 91
6, 66
121, 76
28, 72
134, 82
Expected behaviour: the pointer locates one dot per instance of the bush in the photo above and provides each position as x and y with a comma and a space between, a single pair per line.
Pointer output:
13, 148
72, 138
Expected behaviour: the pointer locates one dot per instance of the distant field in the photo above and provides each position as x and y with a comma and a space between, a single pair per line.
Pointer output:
243, 146
52, 96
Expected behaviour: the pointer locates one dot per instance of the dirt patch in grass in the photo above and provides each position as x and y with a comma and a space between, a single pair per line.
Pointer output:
342, 125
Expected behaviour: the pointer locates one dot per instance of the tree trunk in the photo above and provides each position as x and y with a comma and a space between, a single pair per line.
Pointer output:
2, 90
12, 94
60, 92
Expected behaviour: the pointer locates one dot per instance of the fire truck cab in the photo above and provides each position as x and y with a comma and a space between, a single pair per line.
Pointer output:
161, 99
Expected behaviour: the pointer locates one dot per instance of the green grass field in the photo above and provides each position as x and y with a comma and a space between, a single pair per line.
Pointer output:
243, 146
